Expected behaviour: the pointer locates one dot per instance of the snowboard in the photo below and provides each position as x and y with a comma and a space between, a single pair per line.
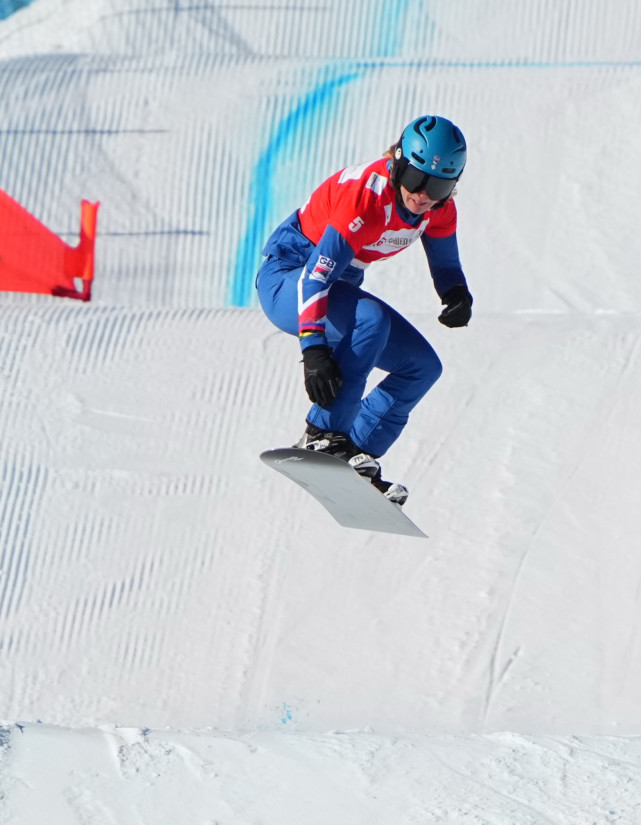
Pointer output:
351, 499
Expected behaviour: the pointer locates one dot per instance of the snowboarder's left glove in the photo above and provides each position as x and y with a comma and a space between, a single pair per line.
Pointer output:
322, 375
458, 307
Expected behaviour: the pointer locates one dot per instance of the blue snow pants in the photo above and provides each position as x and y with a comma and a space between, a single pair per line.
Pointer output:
364, 332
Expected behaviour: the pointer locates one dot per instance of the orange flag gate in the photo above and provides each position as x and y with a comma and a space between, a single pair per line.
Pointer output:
35, 259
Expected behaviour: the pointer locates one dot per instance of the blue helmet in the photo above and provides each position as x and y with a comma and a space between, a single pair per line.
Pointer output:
430, 155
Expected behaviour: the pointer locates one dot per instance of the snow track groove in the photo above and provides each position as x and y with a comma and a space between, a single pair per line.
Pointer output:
130, 446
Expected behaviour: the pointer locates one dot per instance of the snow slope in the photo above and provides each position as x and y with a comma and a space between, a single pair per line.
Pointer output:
129, 777
186, 635
156, 573
129, 107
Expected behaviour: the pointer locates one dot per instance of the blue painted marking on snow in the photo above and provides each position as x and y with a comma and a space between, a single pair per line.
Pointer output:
389, 22
287, 714
386, 23
505, 63
297, 122
9, 7
309, 119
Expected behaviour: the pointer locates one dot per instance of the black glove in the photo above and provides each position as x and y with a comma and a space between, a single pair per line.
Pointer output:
322, 375
458, 307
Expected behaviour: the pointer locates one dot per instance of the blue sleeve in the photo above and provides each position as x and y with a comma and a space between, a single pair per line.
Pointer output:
327, 262
444, 262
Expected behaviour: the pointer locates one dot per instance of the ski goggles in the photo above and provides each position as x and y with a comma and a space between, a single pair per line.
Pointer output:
436, 189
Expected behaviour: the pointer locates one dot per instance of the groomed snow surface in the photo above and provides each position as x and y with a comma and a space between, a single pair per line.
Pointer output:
129, 776
185, 636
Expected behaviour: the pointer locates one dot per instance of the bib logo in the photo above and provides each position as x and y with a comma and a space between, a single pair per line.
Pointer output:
323, 268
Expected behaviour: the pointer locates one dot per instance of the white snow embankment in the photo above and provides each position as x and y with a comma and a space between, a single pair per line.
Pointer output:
134, 777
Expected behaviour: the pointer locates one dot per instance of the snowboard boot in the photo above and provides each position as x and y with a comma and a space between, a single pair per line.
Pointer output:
342, 446
392, 490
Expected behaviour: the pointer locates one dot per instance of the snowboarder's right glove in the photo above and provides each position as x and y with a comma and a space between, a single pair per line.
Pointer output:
458, 307
322, 375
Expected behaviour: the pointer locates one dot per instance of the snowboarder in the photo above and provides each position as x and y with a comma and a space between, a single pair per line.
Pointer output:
309, 285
